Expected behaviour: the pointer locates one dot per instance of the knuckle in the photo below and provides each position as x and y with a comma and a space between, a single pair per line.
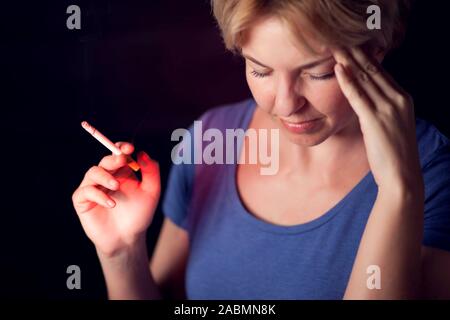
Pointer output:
409, 99
75, 195
106, 159
390, 112
87, 190
364, 77
92, 170
105, 177
83, 192
371, 68
97, 172
88, 173
91, 192
402, 100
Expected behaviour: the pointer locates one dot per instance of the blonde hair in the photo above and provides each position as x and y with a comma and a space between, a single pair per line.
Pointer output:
333, 22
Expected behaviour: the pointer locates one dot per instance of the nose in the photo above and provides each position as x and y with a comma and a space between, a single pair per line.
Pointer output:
288, 99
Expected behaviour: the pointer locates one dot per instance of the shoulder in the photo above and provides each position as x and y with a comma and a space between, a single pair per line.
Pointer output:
430, 141
230, 115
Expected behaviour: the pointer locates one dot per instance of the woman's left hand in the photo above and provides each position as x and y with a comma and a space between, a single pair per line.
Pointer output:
386, 116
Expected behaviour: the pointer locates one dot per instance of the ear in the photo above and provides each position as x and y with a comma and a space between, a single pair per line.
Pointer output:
375, 51
379, 54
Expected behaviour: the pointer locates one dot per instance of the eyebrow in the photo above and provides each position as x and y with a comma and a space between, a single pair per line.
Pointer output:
303, 67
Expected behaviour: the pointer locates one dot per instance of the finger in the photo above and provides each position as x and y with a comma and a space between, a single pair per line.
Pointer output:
125, 173
361, 76
85, 197
357, 98
113, 162
99, 176
150, 174
125, 147
380, 77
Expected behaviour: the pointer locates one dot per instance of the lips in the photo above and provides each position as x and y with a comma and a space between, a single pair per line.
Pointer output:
302, 126
298, 122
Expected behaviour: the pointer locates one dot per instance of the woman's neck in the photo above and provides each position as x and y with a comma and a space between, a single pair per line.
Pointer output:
327, 162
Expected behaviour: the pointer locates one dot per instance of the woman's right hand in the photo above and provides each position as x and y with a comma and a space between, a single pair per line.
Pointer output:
117, 225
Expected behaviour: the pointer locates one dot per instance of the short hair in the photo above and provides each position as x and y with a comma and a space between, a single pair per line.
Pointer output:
333, 22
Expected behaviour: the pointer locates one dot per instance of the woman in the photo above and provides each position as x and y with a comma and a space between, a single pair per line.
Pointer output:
360, 205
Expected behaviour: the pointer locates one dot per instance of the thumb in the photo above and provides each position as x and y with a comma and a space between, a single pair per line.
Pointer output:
150, 174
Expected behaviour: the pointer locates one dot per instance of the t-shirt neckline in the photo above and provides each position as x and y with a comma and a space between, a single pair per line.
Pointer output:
249, 218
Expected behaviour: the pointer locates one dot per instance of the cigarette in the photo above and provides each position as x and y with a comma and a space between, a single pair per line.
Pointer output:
108, 144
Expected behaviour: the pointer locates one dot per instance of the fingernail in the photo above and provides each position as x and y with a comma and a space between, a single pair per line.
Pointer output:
110, 203
113, 183
339, 68
145, 156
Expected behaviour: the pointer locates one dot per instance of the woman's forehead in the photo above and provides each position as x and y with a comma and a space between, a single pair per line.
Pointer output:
271, 33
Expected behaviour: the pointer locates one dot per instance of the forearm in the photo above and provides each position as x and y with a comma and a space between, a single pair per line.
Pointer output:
392, 241
127, 274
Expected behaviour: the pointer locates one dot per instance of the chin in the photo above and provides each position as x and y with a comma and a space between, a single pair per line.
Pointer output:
306, 140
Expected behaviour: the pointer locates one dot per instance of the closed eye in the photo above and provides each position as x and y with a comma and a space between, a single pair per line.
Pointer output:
259, 74
320, 77
325, 76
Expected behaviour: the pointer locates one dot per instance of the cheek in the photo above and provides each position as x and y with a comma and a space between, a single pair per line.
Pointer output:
261, 91
328, 99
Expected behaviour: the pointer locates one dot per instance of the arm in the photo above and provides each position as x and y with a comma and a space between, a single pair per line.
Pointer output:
408, 270
115, 209
169, 260
127, 274
392, 240
394, 231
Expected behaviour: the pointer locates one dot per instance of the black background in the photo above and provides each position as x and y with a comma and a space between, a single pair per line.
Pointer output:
137, 70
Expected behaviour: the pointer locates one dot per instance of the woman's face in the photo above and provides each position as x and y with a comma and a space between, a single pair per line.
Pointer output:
292, 84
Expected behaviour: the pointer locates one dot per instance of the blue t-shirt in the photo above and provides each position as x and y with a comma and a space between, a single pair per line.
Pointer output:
235, 255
